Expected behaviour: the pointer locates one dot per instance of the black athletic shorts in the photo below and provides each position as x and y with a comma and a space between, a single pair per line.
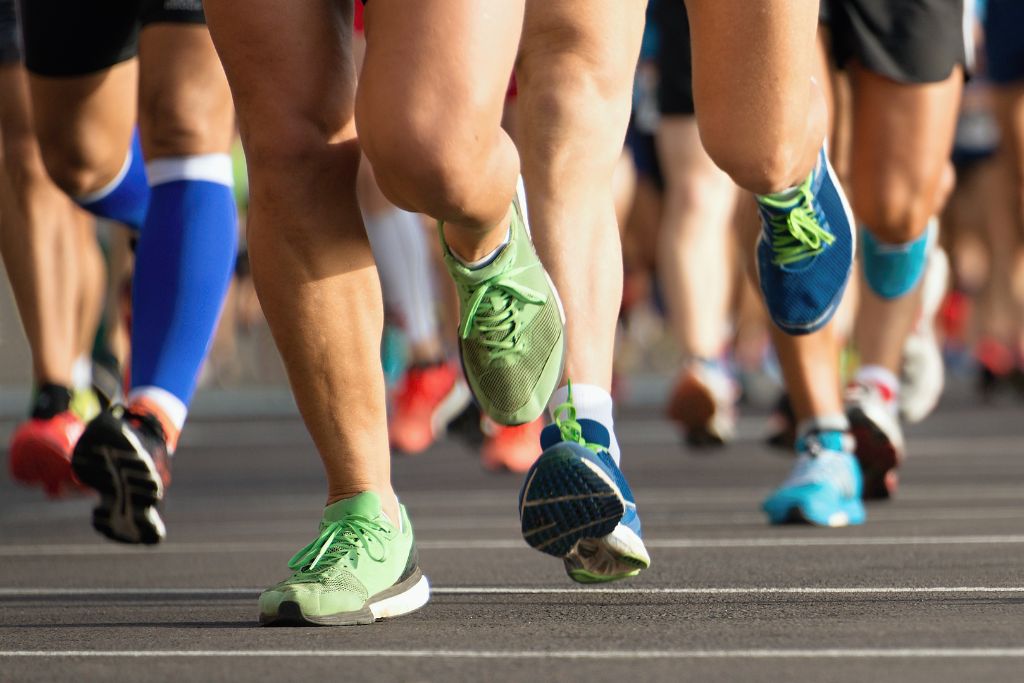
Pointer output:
10, 41
78, 37
909, 41
675, 65
1004, 41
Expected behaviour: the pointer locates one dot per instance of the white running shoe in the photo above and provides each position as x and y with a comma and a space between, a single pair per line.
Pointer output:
923, 372
875, 425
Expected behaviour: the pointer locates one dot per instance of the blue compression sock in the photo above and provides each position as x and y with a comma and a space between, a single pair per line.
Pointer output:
184, 263
894, 270
125, 199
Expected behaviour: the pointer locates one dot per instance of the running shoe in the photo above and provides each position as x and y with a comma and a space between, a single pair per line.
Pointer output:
123, 456
824, 487
805, 253
511, 449
40, 453
360, 568
923, 371
428, 397
577, 505
874, 422
704, 404
511, 336
894, 270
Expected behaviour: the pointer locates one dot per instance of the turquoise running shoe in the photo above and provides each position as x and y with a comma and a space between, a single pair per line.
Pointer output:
359, 569
824, 487
577, 505
805, 254
894, 270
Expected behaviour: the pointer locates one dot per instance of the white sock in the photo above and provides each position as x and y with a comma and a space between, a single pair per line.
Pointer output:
592, 403
823, 423
81, 373
400, 248
171, 406
480, 263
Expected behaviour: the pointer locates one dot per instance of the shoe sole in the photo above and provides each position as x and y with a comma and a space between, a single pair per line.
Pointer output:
42, 462
878, 456
565, 499
129, 486
407, 596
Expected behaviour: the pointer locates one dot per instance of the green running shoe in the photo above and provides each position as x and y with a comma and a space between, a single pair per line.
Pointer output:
361, 568
511, 333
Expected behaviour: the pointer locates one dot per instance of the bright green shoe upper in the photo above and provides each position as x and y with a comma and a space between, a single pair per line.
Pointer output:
358, 554
511, 332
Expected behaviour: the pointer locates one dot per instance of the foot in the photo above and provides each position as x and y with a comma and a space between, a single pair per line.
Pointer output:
40, 453
824, 487
511, 332
806, 250
923, 372
511, 449
577, 505
874, 422
123, 456
428, 398
704, 404
361, 568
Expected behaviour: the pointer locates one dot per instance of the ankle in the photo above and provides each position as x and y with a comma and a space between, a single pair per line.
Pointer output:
164, 407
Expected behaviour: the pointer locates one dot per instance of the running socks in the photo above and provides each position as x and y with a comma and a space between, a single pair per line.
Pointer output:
591, 403
894, 270
184, 262
50, 400
821, 424
399, 244
124, 199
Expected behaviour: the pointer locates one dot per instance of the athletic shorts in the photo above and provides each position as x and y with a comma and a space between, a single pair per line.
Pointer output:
1004, 41
908, 41
78, 37
675, 65
10, 41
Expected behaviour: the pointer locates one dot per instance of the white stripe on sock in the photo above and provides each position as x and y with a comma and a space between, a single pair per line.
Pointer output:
213, 168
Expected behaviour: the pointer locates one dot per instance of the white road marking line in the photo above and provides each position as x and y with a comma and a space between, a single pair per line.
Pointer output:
851, 653
528, 590
839, 539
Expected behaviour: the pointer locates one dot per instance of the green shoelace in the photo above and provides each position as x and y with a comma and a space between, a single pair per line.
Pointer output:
796, 233
342, 540
570, 428
493, 311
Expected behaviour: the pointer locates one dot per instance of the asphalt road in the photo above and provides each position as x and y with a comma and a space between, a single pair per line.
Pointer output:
931, 589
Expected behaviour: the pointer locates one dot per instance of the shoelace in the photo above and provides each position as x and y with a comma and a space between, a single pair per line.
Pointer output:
492, 311
796, 232
342, 539
570, 428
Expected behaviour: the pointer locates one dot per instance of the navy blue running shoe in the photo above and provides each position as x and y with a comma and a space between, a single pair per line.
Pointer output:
805, 254
577, 505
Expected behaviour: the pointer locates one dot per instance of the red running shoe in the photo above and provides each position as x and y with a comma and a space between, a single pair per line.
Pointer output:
41, 453
428, 398
510, 448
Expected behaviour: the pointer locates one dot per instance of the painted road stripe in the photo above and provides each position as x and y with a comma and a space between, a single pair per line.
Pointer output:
527, 590
838, 539
852, 653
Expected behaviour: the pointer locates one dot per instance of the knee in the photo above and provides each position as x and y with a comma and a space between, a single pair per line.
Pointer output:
425, 163
761, 169
173, 123
895, 213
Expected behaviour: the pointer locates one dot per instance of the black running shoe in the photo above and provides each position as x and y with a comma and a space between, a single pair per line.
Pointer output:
124, 457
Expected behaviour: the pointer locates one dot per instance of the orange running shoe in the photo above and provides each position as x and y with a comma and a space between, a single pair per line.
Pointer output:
704, 404
41, 453
510, 448
428, 398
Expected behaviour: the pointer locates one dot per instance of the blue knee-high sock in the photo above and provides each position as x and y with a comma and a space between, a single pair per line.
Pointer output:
183, 265
125, 199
